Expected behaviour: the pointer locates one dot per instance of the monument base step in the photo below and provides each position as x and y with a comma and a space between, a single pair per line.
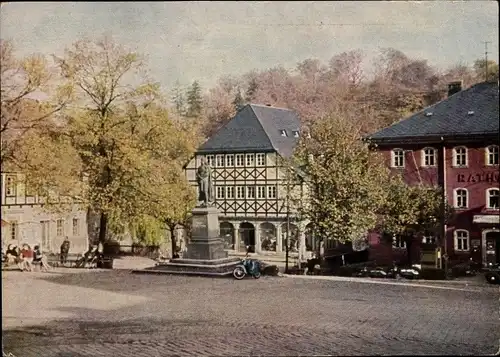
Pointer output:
220, 267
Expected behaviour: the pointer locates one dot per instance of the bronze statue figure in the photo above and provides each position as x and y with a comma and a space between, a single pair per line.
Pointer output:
205, 184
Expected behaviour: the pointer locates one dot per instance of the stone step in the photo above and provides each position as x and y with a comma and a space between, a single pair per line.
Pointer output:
171, 272
194, 267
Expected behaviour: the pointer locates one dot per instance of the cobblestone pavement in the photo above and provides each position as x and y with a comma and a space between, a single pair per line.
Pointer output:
108, 313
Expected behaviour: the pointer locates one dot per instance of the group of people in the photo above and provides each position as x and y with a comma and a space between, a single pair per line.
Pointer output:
26, 258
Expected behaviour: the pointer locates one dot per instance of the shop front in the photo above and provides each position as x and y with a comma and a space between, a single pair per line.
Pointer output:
490, 239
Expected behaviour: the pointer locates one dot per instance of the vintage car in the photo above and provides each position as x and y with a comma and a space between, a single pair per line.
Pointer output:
492, 274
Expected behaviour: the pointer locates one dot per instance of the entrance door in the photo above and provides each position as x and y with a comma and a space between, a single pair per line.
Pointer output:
247, 237
46, 246
493, 247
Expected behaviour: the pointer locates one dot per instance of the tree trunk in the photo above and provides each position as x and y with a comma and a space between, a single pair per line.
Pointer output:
409, 250
173, 240
103, 227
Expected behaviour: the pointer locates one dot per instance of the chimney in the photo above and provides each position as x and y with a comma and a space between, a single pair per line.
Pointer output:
454, 87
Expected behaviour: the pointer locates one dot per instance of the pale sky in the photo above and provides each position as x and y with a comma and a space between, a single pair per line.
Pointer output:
204, 40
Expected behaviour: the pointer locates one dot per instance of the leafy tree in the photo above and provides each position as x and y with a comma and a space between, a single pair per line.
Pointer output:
147, 230
412, 210
178, 99
218, 110
125, 141
345, 179
194, 100
22, 81
485, 71
253, 86
238, 101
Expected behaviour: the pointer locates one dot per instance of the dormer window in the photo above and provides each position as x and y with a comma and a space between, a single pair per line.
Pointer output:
283, 133
296, 134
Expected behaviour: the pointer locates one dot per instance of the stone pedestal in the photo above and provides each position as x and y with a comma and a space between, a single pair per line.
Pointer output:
206, 243
205, 254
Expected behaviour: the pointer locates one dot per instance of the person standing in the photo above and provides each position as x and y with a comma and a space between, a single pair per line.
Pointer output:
65, 250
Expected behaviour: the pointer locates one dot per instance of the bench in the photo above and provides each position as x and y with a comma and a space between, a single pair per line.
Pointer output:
55, 260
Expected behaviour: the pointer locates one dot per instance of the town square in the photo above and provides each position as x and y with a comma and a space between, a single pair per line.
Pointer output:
250, 178
103, 313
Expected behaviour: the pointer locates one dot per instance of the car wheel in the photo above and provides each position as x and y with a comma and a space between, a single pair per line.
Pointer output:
493, 278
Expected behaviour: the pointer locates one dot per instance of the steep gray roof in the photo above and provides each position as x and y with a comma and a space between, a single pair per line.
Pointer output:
256, 128
473, 111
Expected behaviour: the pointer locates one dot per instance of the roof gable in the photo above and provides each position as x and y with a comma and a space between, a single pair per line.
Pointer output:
256, 128
243, 132
473, 111
275, 121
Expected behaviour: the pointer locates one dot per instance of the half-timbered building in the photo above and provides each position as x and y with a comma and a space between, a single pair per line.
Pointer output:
249, 180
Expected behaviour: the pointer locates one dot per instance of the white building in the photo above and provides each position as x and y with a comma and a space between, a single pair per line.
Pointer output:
250, 190
24, 219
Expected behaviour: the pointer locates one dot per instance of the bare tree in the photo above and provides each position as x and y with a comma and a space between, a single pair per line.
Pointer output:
347, 67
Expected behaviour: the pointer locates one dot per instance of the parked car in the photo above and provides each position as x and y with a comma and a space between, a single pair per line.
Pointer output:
492, 274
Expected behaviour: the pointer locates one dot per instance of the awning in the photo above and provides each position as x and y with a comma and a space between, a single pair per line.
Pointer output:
488, 219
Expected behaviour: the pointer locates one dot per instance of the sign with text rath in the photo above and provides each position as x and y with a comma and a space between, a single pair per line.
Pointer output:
479, 177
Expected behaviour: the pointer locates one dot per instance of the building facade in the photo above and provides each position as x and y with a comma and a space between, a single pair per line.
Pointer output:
454, 144
249, 180
24, 219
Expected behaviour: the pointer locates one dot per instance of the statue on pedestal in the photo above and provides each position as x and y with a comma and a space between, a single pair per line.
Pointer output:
205, 184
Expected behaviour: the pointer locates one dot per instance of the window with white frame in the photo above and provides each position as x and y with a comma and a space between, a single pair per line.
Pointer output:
461, 199
398, 242
260, 159
240, 192
210, 160
398, 158
460, 156
220, 190
76, 227
250, 191
492, 155
250, 159
229, 160
429, 157
461, 240
230, 192
429, 239
219, 160
14, 229
493, 198
271, 191
239, 159
10, 185
60, 227
261, 191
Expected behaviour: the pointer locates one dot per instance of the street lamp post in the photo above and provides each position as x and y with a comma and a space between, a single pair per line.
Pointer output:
287, 240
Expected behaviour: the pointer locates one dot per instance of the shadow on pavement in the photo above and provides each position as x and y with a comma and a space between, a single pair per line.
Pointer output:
112, 280
93, 326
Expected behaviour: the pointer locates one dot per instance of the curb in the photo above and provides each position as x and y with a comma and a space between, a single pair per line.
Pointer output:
416, 283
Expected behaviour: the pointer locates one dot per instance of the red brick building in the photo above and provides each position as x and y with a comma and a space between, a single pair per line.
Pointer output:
453, 144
